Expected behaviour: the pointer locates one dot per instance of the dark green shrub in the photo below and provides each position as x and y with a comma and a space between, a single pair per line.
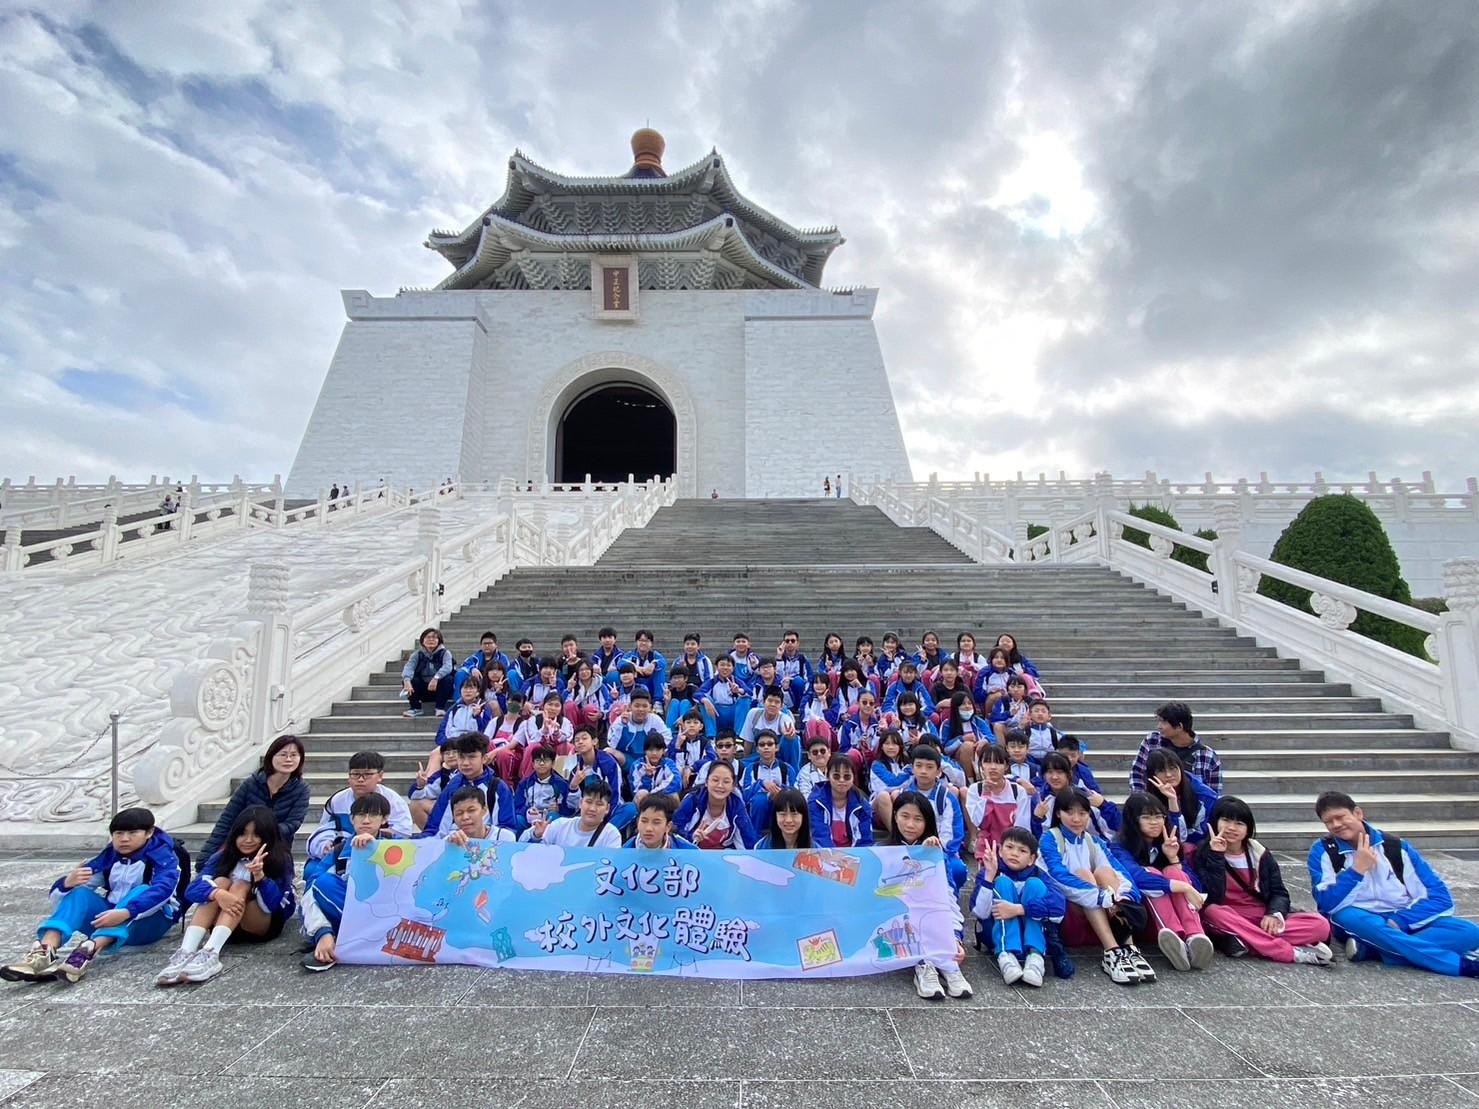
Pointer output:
1339, 537
1034, 530
1195, 559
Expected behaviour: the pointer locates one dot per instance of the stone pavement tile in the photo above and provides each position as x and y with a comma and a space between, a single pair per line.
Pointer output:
1371, 983
861, 1044
1355, 1041
1365, 1093
88, 1091
135, 1038
1064, 1044
907, 1093
256, 977
551, 1093
1250, 982
12, 1081
380, 1039
893, 991
1469, 1082
24, 886
123, 978
636, 989
535, 988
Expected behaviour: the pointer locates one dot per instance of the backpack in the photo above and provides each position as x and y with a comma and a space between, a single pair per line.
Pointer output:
182, 856
1391, 846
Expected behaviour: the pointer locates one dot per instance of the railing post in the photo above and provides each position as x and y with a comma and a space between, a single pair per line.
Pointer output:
267, 602
1456, 647
428, 545
279, 502
1228, 520
187, 515
13, 559
59, 497
108, 537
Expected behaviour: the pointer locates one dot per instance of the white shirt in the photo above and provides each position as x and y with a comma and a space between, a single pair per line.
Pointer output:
566, 832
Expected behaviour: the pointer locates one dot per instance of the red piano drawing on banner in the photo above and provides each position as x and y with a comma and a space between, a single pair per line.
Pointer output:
410, 939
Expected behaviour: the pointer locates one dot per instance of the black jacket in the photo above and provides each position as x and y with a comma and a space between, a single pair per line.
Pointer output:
289, 806
1211, 868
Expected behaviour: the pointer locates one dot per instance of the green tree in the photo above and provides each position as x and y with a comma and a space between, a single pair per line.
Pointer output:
1339, 537
1195, 559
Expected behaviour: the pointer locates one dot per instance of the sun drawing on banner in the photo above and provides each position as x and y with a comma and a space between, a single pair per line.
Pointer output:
392, 857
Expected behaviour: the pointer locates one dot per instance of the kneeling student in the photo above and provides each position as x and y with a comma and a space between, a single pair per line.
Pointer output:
244, 890
324, 892
655, 824
1016, 909
592, 828
125, 894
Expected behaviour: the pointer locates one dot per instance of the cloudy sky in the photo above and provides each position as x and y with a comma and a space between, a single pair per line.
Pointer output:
1228, 237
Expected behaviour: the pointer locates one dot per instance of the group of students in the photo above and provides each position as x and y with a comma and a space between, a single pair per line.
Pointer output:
775, 754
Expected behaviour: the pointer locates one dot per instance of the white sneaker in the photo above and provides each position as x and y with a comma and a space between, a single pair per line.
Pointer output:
1201, 950
1011, 970
174, 970
955, 982
1173, 948
927, 983
1139, 964
1033, 969
1116, 963
204, 965
1315, 955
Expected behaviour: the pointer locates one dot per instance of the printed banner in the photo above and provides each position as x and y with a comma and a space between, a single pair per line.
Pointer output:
709, 914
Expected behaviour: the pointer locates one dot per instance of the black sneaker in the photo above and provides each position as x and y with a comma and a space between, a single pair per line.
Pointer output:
314, 963
1231, 946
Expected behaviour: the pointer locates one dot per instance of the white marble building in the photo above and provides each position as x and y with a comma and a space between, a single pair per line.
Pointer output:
644, 323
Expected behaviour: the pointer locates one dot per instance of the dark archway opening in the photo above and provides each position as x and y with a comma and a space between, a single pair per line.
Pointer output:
613, 431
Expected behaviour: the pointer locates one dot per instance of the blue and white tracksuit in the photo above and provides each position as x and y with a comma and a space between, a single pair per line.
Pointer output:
322, 907
1061, 853
1408, 921
606, 768
662, 778
334, 824
730, 708
951, 824
499, 797
142, 883
752, 786
273, 894
856, 812
1020, 934
547, 795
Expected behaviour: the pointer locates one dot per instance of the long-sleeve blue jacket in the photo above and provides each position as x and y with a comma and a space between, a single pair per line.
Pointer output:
151, 889
858, 814
274, 892
606, 767
500, 803
289, 805
1418, 898
691, 812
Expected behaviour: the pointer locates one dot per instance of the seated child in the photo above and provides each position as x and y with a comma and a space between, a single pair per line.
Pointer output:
1057, 775
1079, 864
925, 780
244, 890
366, 770
431, 779
629, 731
911, 721
1016, 909
125, 894
655, 824
821, 709
322, 906
1042, 736
818, 752
995, 802
1149, 852
471, 819
504, 749
763, 777
714, 817
914, 826
860, 732
655, 773
960, 730
725, 698
888, 776
726, 749
789, 828
690, 748
471, 747
542, 791
1021, 766
1010, 711
591, 762
590, 829
770, 714
682, 695
470, 714
1071, 748
621, 691
1187, 798
1247, 904
840, 814
549, 728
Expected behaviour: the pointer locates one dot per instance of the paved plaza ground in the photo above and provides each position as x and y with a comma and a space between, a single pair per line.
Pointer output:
1244, 1033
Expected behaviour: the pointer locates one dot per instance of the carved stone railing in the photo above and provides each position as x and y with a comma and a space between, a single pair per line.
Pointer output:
962, 530
280, 667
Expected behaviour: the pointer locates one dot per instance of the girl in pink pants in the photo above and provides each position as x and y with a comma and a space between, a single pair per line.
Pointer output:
1147, 848
1246, 898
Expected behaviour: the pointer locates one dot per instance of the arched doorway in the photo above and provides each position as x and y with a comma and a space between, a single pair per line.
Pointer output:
615, 429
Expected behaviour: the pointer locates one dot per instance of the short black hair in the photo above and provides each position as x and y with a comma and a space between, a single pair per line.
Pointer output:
472, 743
643, 633
468, 793
367, 760
663, 801
1023, 836
693, 636
627, 668
1332, 799
924, 751
1056, 760
679, 671
641, 693
586, 728
693, 714
371, 804
525, 639
1235, 808
654, 740
132, 820
1068, 800
1175, 714
1065, 742
604, 632
763, 732
542, 753
488, 635
772, 691
1013, 735
595, 786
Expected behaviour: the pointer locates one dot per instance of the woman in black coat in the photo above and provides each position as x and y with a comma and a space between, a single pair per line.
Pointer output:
278, 784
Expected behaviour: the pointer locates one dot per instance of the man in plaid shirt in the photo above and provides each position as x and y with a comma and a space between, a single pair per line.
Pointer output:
1174, 731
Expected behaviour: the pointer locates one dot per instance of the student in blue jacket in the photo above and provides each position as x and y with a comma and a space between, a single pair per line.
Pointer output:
764, 777
592, 762
472, 747
278, 784
1017, 910
1187, 798
478, 661
652, 668
655, 825
1057, 776
124, 894
962, 731
908, 681
714, 817
789, 828
926, 782
245, 891
840, 814
540, 792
